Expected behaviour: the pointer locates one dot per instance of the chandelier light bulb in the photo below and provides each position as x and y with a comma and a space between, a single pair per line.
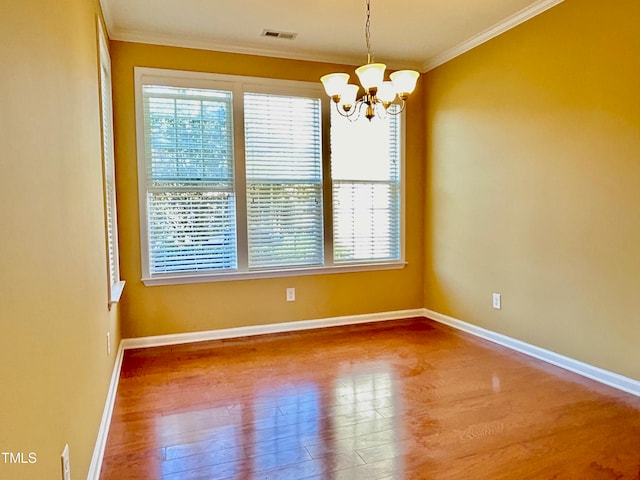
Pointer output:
386, 93
404, 81
349, 94
334, 84
371, 75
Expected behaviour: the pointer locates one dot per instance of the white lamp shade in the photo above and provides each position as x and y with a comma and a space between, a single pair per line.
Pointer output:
404, 81
349, 94
334, 83
386, 92
371, 75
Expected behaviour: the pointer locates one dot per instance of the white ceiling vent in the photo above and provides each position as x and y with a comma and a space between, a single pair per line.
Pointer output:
277, 34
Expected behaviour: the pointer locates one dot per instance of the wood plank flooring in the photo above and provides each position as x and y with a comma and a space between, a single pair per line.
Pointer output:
407, 399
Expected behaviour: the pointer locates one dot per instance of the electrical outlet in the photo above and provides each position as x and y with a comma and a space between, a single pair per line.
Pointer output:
66, 466
497, 301
108, 343
291, 294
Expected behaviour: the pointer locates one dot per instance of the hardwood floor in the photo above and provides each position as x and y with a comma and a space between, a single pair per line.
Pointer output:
407, 399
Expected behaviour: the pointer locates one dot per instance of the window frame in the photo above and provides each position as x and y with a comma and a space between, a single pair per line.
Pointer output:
238, 85
115, 284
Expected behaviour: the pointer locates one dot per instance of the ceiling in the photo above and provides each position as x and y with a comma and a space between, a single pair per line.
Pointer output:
418, 34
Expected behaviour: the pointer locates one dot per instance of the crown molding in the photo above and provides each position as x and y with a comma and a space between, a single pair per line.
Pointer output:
200, 43
507, 24
204, 44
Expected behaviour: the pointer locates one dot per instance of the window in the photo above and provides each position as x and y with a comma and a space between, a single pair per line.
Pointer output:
365, 172
283, 156
190, 187
236, 180
115, 285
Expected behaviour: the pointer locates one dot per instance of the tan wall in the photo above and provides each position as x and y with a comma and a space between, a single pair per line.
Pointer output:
185, 308
533, 184
54, 368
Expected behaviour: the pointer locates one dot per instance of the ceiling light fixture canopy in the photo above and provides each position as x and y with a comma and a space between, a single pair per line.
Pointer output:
378, 95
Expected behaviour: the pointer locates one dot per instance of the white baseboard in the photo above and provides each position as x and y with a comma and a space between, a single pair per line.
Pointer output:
611, 379
103, 431
178, 338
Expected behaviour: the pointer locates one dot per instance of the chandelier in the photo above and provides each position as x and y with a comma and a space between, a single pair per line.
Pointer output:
378, 94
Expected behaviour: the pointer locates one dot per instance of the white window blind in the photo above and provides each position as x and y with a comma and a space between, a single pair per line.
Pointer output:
115, 285
109, 172
283, 155
365, 171
188, 136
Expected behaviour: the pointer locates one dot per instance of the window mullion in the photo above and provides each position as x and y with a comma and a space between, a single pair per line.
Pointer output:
240, 178
327, 188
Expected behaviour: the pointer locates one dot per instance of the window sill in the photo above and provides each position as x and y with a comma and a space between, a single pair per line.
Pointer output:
291, 272
116, 291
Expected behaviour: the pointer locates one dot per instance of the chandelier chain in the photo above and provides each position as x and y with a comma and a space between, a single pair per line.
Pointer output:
367, 32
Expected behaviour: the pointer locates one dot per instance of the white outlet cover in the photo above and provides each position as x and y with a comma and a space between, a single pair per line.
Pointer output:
291, 294
497, 301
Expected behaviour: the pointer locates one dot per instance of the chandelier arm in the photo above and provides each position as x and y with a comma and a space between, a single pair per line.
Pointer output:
356, 112
400, 110
359, 104
342, 113
382, 113
353, 114
353, 118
